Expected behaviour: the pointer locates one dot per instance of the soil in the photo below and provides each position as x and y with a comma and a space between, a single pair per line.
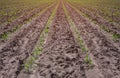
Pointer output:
105, 54
14, 52
113, 27
19, 24
8, 27
61, 56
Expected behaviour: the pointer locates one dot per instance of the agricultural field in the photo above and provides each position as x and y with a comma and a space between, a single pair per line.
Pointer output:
108, 9
59, 39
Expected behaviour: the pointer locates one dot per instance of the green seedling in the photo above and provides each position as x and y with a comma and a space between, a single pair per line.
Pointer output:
4, 36
32, 59
46, 30
42, 41
29, 63
26, 66
88, 60
81, 43
37, 52
84, 49
39, 49
116, 36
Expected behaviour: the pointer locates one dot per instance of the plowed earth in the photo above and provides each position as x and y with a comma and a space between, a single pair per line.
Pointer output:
61, 56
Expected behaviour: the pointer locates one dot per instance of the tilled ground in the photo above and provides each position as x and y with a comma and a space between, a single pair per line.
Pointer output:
17, 23
113, 27
62, 56
14, 52
105, 53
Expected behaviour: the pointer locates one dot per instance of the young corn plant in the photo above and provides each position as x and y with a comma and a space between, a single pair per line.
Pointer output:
75, 30
39, 47
114, 35
32, 59
87, 59
4, 36
29, 63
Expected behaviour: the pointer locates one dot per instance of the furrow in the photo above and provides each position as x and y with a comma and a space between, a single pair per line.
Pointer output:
8, 36
90, 67
9, 28
60, 57
103, 50
13, 54
30, 64
111, 28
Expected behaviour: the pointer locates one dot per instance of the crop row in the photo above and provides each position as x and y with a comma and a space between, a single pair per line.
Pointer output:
108, 9
40, 44
108, 27
10, 10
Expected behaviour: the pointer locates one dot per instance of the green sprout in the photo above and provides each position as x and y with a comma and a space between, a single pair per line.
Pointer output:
4, 36
116, 36
88, 60
29, 63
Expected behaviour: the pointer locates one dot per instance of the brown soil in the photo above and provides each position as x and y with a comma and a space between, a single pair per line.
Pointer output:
6, 28
13, 54
113, 28
102, 50
20, 27
61, 56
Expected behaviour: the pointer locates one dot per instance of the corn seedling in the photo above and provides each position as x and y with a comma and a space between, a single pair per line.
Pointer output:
4, 36
74, 29
39, 47
116, 36
88, 60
